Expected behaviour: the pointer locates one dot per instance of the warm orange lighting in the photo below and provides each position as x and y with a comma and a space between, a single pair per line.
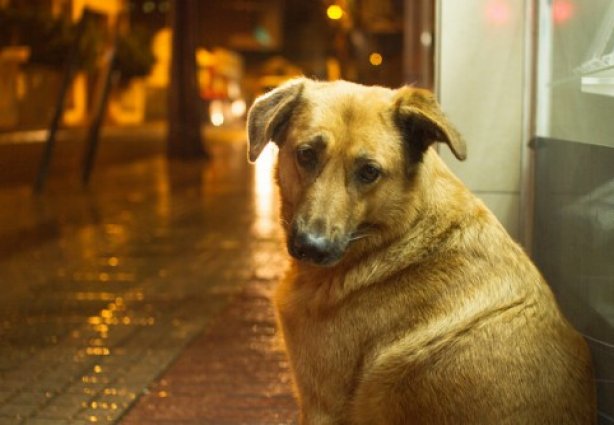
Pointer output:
216, 113
238, 108
562, 11
498, 12
97, 351
102, 328
334, 12
264, 190
375, 59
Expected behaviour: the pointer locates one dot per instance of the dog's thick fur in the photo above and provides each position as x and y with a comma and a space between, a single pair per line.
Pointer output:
429, 313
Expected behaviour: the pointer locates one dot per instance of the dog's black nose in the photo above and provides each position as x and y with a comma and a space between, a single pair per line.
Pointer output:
315, 248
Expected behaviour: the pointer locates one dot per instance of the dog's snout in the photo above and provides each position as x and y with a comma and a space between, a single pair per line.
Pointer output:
313, 247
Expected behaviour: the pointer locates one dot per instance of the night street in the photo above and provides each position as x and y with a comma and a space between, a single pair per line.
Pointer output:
447, 171
145, 297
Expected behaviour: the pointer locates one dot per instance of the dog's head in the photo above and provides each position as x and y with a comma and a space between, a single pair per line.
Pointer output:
348, 156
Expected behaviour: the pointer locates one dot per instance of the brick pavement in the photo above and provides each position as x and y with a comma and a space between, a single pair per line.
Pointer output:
158, 265
235, 373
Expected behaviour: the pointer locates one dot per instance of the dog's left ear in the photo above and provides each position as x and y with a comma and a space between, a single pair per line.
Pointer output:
269, 114
422, 123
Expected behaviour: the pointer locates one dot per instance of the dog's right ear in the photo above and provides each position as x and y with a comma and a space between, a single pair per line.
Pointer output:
269, 114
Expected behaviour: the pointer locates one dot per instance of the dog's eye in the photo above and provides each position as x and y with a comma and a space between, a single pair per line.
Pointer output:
306, 156
368, 173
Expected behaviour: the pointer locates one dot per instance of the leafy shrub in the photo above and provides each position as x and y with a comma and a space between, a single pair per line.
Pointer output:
134, 57
50, 40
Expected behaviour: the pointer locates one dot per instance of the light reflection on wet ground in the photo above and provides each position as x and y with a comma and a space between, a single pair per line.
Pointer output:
101, 290
264, 192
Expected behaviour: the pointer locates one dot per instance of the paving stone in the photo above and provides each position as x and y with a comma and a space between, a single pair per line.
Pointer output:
44, 421
32, 398
10, 421
11, 386
17, 411
101, 414
60, 411
88, 389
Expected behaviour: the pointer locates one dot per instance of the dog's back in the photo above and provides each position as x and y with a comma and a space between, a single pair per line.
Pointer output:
491, 348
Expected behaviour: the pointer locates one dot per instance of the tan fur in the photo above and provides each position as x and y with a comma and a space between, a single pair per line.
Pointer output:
436, 316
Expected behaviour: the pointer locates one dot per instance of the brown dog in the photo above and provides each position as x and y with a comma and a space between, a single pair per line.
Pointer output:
407, 302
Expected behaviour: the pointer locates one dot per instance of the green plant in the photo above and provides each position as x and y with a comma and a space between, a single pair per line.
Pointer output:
49, 38
134, 57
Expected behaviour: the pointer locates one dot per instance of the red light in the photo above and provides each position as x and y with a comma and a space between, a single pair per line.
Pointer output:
498, 12
562, 11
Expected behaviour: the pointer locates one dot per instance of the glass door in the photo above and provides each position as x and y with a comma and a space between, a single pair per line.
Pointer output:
573, 230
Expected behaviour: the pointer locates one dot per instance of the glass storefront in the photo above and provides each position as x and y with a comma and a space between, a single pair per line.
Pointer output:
573, 229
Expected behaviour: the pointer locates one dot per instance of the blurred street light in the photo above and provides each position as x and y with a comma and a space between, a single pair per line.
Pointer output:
334, 12
238, 108
216, 113
375, 59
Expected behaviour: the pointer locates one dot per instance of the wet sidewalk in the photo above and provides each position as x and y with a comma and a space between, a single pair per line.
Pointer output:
145, 299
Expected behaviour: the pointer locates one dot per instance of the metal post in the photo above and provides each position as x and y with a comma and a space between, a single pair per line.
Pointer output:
184, 121
108, 79
426, 43
410, 55
69, 69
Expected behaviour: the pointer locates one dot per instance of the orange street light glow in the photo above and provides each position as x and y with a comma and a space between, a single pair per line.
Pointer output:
334, 12
375, 59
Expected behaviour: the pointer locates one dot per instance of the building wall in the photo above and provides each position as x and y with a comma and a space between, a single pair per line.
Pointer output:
480, 84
